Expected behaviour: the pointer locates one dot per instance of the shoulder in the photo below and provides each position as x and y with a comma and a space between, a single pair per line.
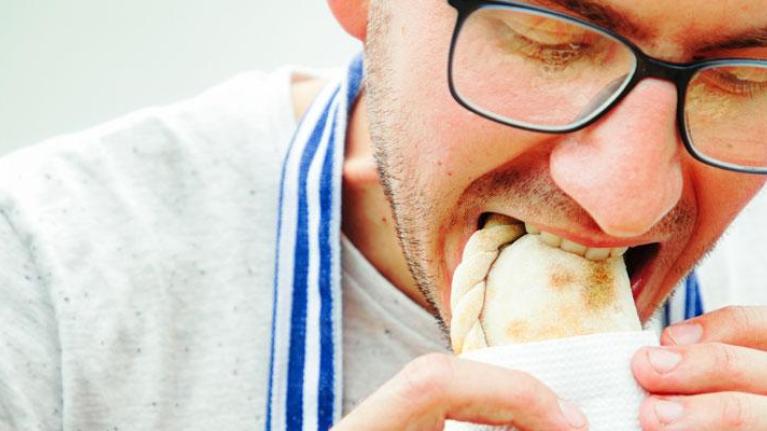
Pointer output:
202, 163
202, 152
243, 106
253, 113
250, 114
222, 148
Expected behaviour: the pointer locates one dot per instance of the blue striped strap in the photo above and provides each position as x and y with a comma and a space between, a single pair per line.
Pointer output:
305, 357
693, 302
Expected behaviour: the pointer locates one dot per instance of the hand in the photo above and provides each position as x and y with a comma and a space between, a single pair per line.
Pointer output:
710, 375
437, 387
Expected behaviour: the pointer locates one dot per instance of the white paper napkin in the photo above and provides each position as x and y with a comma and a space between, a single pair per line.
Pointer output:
592, 371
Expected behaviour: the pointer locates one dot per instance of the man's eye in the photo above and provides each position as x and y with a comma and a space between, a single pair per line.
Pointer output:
546, 31
556, 54
550, 42
737, 81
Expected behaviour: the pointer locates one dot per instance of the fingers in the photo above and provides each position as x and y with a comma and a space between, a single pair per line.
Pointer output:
720, 360
722, 411
437, 387
742, 326
699, 368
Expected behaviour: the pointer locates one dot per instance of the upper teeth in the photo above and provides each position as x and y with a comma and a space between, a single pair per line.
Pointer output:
591, 253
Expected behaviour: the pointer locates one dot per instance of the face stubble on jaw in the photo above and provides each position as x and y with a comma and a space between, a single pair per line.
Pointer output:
409, 205
422, 214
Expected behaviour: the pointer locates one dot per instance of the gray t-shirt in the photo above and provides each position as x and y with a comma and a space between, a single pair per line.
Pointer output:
136, 267
383, 329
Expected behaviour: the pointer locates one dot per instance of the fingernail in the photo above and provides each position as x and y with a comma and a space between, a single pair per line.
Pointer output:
574, 417
662, 360
686, 333
668, 411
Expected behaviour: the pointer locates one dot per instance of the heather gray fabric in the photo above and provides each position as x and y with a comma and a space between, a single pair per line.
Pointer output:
136, 265
383, 328
135, 279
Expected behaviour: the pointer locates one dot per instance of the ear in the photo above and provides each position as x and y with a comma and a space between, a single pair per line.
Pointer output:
352, 15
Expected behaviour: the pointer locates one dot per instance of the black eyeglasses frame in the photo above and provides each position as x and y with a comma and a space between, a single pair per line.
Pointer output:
646, 66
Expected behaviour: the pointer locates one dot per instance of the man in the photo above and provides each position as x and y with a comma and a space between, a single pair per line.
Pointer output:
139, 257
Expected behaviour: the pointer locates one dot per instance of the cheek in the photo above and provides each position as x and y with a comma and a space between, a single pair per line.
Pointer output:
437, 131
445, 145
418, 42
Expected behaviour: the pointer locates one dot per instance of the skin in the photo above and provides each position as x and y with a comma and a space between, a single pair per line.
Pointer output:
420, 170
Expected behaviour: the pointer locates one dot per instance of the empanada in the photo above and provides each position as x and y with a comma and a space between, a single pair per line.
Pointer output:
513, 288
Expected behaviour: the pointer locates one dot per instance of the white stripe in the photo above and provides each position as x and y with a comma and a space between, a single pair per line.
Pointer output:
313, 299
287, 247
677, 303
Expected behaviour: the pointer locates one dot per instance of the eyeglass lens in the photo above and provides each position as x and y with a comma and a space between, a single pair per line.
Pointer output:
540, 71
726, 114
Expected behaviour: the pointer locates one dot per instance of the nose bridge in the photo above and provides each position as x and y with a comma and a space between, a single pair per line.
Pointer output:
650, 67
624, 170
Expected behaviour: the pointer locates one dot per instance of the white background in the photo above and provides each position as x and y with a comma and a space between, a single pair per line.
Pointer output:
68, 65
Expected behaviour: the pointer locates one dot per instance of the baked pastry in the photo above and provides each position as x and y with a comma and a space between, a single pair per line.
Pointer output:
511, 287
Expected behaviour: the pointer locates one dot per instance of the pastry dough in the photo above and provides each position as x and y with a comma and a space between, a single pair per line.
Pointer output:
506, 293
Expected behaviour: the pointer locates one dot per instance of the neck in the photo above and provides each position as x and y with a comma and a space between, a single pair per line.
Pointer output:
368, 221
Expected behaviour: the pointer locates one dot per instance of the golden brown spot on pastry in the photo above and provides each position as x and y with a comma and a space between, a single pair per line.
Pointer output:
560, 322
518, 330
600, 291
560, 278
569, 320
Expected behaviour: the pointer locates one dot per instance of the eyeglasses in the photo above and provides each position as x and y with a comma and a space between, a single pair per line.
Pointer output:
539, 70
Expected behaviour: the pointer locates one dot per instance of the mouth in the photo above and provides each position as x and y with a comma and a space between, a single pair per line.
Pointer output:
640, 258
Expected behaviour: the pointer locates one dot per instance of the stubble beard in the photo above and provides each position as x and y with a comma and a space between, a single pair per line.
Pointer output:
409, 207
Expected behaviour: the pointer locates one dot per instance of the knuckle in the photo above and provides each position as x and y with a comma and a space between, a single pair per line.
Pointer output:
423, 380
726, 362
735, 413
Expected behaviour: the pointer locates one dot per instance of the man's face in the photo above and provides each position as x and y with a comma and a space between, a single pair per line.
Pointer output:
623, 181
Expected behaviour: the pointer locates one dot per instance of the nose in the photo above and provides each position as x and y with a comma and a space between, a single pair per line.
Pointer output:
625, 169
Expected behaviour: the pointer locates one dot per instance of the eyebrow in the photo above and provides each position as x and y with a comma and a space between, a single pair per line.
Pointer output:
755, 38
621, 22
603, 16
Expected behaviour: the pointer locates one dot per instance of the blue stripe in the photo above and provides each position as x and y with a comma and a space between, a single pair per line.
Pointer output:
326, 395
297, 350
275, 282
354, 80
693, 303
